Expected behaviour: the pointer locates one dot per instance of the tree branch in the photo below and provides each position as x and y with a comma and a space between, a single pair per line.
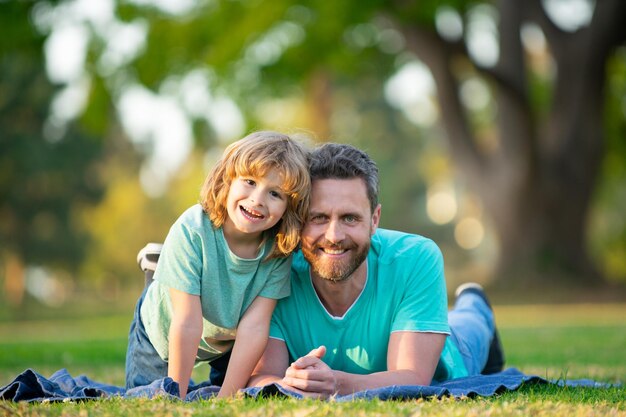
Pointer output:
585, 136
573, 144
517, 135
608, 25
438, 54
511, 63
534, 12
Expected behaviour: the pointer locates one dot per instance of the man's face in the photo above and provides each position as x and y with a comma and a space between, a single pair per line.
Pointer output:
336, 236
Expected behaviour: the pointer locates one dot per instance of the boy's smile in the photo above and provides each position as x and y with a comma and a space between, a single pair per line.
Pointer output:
251, 214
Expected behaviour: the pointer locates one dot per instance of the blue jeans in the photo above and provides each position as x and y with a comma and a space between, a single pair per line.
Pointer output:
143, 363
472, 328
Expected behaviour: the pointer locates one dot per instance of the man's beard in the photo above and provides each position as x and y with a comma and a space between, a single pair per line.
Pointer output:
334, 270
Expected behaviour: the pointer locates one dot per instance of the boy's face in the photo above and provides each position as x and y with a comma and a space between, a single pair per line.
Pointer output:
336, 236
256, 204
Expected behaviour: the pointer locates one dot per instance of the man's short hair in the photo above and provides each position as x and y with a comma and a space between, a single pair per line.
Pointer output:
342, 161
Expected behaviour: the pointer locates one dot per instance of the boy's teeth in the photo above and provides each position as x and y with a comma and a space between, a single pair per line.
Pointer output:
251, 212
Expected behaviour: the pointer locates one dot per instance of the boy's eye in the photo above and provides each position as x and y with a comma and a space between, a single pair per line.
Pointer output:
249, 181
276, 194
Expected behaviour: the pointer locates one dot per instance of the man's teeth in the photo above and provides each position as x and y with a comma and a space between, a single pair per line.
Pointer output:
334, 251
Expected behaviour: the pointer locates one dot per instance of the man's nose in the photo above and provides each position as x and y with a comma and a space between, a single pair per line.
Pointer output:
334, 232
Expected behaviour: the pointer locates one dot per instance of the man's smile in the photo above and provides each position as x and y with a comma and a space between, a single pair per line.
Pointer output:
331, 251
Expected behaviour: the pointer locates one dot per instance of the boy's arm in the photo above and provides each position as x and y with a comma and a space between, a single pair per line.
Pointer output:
250, 342
184, 337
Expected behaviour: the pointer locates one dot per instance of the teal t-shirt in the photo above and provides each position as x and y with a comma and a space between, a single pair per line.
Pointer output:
405, 291
196, 259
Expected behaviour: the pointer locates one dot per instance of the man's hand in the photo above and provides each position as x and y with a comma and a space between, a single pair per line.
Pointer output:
412, 359
310, 376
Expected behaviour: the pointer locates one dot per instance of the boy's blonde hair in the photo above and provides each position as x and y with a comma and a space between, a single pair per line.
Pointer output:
255, 155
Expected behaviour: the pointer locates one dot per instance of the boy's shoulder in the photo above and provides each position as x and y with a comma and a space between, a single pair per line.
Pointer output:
194, 217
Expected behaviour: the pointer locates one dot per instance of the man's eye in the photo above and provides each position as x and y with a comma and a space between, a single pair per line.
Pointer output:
350, 219
316, 219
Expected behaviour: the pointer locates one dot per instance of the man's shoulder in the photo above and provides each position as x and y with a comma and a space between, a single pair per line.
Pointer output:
392, 244
299, 265
399, 253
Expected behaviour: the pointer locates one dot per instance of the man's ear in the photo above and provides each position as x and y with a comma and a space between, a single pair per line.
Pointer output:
375, 219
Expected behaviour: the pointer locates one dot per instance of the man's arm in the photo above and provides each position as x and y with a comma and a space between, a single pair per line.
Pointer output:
272, 365
250, 343
411, 360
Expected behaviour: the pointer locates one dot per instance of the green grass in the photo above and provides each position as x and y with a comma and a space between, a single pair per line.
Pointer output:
567, 341
94, 346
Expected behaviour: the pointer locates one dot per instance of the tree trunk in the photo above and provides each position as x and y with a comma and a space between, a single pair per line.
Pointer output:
537, 185
541, 231
548, 174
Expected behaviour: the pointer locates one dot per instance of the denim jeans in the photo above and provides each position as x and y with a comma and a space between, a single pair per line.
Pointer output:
472, 328
143, 363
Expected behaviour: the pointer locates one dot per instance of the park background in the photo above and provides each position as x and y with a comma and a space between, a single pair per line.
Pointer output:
498, 127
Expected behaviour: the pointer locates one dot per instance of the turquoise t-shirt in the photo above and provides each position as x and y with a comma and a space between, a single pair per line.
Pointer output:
405, 291
196, 259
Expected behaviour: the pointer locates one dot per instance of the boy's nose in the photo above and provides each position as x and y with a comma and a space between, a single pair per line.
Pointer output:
257, 197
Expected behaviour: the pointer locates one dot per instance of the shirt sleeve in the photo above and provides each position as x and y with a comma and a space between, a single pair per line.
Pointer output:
276, 331
424, 306
278, 284
180, 262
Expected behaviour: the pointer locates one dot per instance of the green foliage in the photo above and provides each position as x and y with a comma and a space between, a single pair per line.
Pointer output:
44, 181
607, 227
135, 219
73, 201
319, 52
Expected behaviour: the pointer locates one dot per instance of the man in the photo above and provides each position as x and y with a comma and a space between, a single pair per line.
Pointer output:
369, 306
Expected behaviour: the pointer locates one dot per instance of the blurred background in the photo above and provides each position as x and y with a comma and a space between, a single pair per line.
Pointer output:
499, 129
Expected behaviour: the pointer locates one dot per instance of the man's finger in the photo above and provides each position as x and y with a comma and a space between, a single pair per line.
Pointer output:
307, 374
307, 394
311, 359
310, 387
318, 352
306, 362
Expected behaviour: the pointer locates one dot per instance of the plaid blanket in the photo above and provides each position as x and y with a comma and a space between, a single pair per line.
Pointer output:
61, 386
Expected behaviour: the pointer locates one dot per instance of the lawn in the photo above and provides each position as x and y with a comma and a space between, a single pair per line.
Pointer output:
553, 341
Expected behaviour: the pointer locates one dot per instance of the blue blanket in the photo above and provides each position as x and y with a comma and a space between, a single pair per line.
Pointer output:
61, 386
